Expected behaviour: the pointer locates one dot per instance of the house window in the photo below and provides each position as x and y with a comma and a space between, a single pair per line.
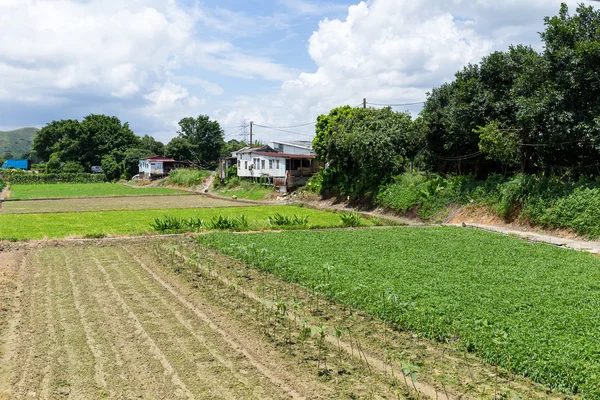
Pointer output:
257, 163
270, 164
239, 163
245, 164
277, 164
262, 164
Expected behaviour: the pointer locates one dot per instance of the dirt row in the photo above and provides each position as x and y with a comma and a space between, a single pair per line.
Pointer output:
166, 319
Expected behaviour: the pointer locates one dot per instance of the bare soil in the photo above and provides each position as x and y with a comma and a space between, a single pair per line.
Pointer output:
114, 204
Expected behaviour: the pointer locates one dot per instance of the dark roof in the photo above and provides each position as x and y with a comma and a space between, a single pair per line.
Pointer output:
159, 158
286, 155
263, 149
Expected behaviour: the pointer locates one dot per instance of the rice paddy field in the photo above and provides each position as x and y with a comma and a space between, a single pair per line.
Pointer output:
64, 190
128, 223
531, 308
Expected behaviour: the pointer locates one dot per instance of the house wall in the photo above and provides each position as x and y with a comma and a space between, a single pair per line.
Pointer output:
150, 168
246, 160
289, 149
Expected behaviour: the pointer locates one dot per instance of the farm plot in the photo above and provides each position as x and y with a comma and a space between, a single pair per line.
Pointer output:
533, 309
65, 190
128, 223
114, 204
97, 321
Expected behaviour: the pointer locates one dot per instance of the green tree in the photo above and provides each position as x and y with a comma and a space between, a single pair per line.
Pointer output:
152, 146
499, 144
180, 149
363, 148
112, 168
205, 138
48, 139
86, 142
72, 167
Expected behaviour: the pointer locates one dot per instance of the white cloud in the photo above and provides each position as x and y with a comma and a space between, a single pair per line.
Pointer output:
114, 51
394, 51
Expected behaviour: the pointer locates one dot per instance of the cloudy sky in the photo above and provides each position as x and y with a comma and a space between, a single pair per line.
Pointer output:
279, 63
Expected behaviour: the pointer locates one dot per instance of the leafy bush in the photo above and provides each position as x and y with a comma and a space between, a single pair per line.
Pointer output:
22, 178
2, 184
351, 219
545, 201
228, 223
188, 177
168, 224
285, 220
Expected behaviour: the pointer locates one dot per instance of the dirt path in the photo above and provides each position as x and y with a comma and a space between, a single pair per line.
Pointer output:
571, 243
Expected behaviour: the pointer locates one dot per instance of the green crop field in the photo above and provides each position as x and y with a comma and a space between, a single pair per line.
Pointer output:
39, 226
532, 308
63, 190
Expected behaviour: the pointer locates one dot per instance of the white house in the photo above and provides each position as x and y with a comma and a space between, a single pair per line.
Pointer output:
284, 170
158, 166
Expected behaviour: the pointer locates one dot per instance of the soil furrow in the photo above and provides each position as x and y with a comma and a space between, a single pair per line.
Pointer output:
182, 390
130, 373
12, 271
32, 330
238, 384
99, 374
264, 370
194, 364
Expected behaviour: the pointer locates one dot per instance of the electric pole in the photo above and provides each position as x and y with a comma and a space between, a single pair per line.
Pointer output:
251, 123
364, 103
244, 133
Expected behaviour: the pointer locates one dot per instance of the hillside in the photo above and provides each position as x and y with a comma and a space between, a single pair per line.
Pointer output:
17, 142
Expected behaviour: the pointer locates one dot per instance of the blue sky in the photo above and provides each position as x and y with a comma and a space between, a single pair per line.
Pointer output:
278, 63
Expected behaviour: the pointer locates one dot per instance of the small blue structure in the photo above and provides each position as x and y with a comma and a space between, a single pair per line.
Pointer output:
17, 164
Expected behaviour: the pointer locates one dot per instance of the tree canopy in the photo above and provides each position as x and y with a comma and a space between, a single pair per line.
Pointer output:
199, 140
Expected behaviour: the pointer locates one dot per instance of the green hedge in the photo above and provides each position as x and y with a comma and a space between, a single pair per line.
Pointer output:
16, 178
549, 202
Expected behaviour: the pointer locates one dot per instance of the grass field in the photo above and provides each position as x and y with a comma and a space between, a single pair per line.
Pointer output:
114, 204
531, 308
115, 223
64, 190
245, 190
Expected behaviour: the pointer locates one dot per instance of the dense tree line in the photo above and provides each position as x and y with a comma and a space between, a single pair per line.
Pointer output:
517, 111
72, 146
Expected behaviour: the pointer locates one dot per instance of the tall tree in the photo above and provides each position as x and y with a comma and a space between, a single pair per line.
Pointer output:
205, 138
363, 148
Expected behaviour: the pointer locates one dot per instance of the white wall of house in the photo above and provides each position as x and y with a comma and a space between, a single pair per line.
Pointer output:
150, 167
254, 165
290, 148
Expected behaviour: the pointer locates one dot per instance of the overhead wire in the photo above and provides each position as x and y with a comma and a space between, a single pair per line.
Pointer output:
282, 130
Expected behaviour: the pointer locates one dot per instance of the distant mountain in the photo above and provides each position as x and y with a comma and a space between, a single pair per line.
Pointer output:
17, 142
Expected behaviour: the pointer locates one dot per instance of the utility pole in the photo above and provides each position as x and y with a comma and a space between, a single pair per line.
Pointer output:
244, 133
251, 123
364, 103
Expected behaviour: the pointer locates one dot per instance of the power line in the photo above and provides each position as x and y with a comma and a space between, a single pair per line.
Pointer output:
293, 126
397, 105
282, 130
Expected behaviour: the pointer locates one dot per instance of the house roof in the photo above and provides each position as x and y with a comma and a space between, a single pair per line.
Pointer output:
305, 144
286, 155
159, 158
264, 149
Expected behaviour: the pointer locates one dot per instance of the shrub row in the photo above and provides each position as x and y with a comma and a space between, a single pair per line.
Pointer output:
27, 178
549, 202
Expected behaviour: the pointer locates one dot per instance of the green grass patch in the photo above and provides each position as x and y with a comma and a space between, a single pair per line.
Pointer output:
39, 226
188, 177
64, 190
531, 308
244, 189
